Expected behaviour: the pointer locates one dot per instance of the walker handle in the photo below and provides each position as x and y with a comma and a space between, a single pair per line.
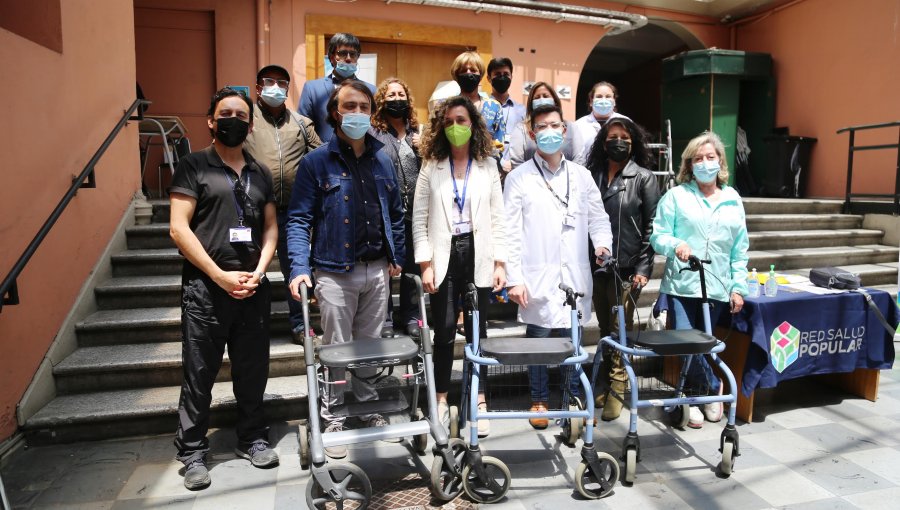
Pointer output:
570, 294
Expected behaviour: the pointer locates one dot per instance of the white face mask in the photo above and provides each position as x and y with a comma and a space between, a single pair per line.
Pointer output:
541, 101
273, 96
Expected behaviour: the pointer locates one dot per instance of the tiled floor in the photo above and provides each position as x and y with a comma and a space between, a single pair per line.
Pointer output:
810, 448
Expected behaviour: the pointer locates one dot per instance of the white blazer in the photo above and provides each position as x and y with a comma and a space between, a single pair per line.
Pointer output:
432, 217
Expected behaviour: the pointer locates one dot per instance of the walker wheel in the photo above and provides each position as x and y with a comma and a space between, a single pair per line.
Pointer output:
420, 442
630, 464
491, 490
350, 482
573, 427
447, 485
454, 421
727, 458
597, 485
303, 439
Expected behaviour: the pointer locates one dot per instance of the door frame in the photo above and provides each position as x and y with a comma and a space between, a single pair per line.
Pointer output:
317, 25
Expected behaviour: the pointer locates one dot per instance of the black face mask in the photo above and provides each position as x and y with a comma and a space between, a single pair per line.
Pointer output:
501, 83
618, 150
231, 131
397, 108
468, 82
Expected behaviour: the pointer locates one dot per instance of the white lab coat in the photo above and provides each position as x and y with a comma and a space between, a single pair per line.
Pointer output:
542, 251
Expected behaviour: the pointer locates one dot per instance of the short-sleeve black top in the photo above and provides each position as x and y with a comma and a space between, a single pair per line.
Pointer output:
203, 176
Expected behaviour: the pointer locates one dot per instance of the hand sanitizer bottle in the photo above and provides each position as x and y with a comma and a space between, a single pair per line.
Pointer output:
771, 283
753, 284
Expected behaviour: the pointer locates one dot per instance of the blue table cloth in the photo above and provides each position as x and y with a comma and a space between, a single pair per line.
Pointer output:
796, 334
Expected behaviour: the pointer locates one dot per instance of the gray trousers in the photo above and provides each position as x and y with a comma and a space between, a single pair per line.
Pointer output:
353, 306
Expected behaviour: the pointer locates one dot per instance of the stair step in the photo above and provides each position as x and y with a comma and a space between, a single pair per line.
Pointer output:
872, 275
147, 262
762, 205
152, 236
158, 291
758, 222
775, 239
799, 258
145, 365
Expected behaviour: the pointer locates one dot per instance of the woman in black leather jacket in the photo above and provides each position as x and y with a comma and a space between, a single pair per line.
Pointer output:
395, 124
618, 161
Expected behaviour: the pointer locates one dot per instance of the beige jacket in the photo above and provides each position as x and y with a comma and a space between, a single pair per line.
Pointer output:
280, 145
432, 216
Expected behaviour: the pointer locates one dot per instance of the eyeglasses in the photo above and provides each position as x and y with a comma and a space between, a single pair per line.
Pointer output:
347, 53
268, 82
544, 125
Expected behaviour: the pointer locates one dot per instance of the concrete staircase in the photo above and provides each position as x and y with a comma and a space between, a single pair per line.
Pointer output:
124, 377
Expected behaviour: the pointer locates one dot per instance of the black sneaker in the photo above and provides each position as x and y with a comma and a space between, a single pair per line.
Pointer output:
388, 332
259, 454
196, 476
413, 330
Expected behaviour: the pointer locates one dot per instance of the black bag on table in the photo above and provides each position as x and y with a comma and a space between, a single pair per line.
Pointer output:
834, 278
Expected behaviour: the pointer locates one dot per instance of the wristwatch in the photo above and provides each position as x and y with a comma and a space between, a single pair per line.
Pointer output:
261, 274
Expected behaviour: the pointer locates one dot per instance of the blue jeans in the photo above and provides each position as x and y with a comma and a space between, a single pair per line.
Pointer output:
295, 309
689, 315
539, 375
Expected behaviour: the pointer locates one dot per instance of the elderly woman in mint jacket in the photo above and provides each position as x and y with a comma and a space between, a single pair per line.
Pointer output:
703, 216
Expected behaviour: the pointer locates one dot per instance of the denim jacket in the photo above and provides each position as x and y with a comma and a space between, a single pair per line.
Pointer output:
321, 209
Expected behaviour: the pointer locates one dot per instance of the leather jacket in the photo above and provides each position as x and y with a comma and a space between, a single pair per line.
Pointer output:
630, 201
392, 150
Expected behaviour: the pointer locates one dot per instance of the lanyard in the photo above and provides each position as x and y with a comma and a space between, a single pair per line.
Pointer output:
237, 205
460, 201
565, 202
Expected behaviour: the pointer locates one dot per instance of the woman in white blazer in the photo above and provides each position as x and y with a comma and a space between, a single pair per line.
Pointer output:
459, 228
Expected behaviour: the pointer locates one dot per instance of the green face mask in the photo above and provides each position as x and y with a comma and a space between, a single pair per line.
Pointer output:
458, 135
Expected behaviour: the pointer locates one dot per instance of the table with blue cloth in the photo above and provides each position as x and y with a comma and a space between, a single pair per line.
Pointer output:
797, 334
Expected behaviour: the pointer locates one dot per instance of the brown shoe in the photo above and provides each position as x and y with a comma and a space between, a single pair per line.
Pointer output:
539, 423
613, 407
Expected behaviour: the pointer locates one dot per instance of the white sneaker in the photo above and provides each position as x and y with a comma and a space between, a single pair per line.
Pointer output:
484, 425
695, 421
713, 412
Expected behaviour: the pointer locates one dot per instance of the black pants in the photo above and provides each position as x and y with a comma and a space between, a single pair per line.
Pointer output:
408, 309
211, 320
460, 272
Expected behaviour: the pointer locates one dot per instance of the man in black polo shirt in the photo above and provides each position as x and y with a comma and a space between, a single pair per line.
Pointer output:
223, 222
345, 219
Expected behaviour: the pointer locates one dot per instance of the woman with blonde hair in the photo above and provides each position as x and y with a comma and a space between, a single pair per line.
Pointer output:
459, 229
394, 123
702, 216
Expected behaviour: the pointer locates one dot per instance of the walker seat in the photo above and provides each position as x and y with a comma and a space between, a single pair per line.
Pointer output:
528, 351
673, 342
377, 352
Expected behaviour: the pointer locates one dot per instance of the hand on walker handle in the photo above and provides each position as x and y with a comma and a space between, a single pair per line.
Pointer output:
295, 286
683, 252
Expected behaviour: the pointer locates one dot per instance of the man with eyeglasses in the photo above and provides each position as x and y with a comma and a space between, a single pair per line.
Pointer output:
280, 139
553, 205
345, 222
343, 53
223, 223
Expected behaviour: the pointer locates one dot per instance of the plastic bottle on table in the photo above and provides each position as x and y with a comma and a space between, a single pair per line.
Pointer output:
753, 284
771, 283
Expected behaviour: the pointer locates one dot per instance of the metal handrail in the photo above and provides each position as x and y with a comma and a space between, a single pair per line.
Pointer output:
849, 195
9, 288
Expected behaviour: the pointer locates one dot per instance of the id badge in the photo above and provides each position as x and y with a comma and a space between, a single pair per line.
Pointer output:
569, 221
240, 235
462, 227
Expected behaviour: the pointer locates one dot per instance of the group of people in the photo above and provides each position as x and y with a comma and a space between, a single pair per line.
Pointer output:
351, 191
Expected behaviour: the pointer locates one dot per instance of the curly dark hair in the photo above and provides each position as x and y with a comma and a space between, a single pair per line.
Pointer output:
598, 158
434, 142
380, 117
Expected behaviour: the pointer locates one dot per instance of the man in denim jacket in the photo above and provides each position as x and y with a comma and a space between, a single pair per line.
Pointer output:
345, 219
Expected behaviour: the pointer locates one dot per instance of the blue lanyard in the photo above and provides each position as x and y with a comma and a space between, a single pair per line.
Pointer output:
237, 205
562, 166
460, 201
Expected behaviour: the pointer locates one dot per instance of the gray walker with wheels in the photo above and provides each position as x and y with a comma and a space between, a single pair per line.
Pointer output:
686, 344
337, 482
487, 479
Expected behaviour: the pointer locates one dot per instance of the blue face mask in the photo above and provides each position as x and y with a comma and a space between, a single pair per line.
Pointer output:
345, 70
549, 140
273, 96
603, 106
706, 171
355, 125
541, 101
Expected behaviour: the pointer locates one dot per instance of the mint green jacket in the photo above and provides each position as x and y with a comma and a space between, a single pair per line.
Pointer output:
717, 233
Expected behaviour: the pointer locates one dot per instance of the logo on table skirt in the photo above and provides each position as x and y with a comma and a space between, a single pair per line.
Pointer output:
784, 346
